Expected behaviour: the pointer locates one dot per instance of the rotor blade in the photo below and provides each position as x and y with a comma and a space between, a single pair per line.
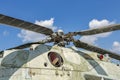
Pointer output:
29, 44
24, 25
99, 30
96, 49
24, 45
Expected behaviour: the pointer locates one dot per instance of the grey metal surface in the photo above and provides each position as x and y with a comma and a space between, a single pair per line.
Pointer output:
100, 30
24, 25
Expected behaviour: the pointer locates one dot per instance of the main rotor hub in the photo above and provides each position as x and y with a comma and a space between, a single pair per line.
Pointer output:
60, 32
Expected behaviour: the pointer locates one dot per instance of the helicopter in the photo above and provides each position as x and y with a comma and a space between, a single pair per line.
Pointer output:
40, 61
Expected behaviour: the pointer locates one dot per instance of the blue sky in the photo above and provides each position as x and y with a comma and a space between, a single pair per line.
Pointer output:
69, 15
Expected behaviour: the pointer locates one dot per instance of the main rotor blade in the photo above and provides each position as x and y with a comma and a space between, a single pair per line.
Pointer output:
99, 30
96, 49
24, 45
29, 44
24, 25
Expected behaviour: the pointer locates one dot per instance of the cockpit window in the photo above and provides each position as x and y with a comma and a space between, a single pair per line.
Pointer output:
55, 59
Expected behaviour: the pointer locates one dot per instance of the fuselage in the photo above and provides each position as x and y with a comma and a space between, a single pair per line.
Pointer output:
55, 63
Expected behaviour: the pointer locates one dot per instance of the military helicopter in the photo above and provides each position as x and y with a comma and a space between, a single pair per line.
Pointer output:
40, 61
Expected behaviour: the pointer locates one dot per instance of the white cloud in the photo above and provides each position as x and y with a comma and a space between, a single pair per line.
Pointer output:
96, 24
116, 47
28, 36
99, 23
47, 23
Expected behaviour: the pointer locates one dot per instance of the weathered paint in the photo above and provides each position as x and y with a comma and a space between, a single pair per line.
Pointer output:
29, 65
